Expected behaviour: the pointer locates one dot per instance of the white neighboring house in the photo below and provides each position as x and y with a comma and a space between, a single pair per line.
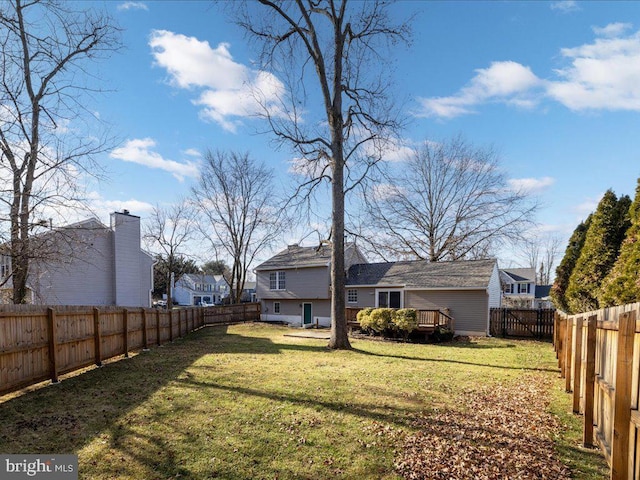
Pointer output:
92, 264
518, 287
198, 289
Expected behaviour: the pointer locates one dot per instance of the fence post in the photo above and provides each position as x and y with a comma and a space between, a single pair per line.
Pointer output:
589, 381
53, 345
97, 337
171, 325
504, 323
125, 328
622, 399
568, 351
179, 323
145, 340
158, 327
577, 376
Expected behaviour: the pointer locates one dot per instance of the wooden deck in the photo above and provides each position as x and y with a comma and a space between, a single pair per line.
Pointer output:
428, 320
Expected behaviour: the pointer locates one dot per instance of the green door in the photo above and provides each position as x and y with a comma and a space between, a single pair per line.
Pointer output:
306, 314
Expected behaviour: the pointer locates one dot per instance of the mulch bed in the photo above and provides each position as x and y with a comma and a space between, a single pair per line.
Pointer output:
500, 432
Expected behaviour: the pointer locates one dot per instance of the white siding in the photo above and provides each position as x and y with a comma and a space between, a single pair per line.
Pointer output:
494, 289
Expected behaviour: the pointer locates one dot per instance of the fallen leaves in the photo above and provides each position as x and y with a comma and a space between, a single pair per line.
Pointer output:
499, 432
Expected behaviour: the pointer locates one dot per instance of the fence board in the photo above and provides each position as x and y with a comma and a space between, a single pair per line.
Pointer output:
39, 343
603, 363
522, 323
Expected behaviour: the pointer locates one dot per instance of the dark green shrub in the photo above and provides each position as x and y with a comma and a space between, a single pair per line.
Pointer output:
442, 334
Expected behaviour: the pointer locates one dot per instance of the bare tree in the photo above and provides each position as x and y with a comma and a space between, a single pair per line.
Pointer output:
237, 212
168, 230
541, 254
447, 201
45, 50
331, 55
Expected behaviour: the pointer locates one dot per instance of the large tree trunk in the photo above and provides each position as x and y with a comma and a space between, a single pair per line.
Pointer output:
339, 338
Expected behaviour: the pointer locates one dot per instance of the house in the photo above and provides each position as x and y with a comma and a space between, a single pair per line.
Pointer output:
248, 292
543, 297
197, 288
518, 287
466, 290
294, 285
88, 263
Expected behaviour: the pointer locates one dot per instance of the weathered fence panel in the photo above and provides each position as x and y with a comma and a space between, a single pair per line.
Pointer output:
522, 323
599, 357
39, 343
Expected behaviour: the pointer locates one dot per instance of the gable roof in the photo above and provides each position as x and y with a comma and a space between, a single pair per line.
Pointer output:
543, 291
422, 274
295, 256
201, 278
518, 274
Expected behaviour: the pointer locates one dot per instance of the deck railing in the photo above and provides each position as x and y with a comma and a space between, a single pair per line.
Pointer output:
428, 320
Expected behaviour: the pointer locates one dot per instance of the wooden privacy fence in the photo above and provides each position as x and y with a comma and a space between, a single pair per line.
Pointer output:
39, 343
525, 323
599, 358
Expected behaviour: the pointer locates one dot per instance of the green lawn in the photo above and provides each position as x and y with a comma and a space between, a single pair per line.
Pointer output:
247, 402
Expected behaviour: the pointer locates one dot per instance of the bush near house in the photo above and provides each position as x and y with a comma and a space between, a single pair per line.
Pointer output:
388, 322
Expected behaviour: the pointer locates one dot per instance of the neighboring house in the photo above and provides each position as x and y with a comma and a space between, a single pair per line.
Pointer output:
248, 292
466, 290
518, 287
196, 289
294, 285
543, 297
88, 263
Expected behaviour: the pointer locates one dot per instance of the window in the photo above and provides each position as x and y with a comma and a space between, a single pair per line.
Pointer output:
276, 307
352, 296
389, 299
523, 288
277, 281
508, 288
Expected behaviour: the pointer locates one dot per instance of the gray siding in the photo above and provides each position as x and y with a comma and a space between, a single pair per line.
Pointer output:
308, 283
84, 274
127, 267
320, 308
469, 308
366, 298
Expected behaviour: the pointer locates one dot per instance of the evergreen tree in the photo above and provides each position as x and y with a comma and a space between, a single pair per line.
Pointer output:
568, 263
161, 274
622, 285
599, 253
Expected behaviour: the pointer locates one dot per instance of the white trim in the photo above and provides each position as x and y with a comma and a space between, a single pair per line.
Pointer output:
294, 320
390, 290
410, 289
375, 285
483, 287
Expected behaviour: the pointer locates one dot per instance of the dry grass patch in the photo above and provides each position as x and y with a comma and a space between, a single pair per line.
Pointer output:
248, 402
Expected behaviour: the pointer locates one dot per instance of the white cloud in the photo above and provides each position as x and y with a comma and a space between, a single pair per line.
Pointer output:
193, 152
132, 6
602, 75
140, 151
612, 30
230, 91
531, 185
565, 6
385, 191
508, 82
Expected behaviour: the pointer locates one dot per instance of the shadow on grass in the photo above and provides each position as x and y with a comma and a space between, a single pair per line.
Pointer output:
398, 416
62, 418
458, 362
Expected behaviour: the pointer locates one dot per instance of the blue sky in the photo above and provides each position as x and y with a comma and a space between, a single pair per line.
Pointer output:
554, 86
